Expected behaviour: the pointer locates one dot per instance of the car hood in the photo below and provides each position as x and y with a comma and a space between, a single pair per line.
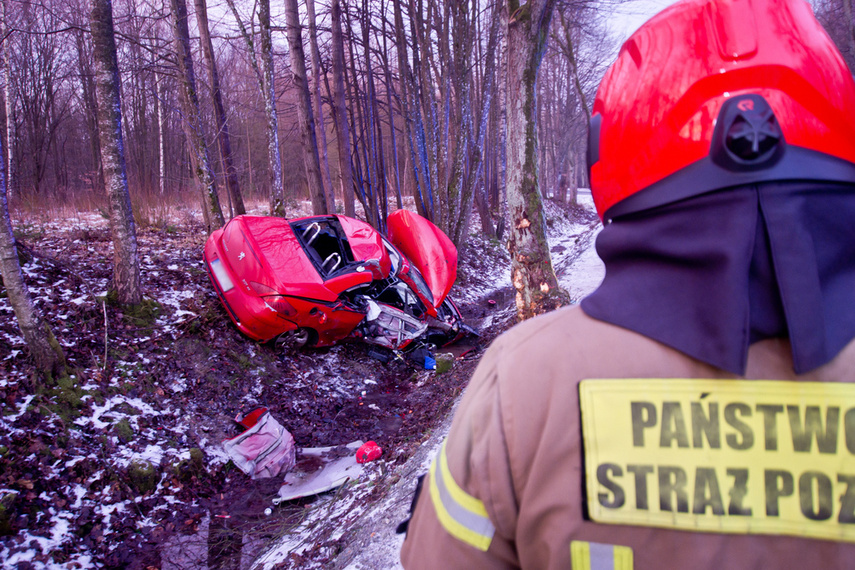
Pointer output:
428, 248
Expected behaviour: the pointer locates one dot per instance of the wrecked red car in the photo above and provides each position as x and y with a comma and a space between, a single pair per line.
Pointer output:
321, 279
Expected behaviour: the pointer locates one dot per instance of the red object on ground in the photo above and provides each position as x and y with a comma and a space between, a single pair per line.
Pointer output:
369, 451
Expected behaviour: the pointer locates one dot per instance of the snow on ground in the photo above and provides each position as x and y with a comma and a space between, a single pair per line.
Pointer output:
365, 521
374, 544
574, 256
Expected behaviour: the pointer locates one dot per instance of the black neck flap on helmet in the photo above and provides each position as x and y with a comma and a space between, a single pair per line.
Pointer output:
711, 274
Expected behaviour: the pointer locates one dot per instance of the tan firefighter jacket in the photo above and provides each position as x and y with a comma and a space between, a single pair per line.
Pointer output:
639, 472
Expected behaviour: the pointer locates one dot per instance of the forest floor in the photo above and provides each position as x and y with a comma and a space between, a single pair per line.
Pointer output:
124, 467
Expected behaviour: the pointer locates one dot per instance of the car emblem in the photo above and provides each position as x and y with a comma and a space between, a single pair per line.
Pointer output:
241, 256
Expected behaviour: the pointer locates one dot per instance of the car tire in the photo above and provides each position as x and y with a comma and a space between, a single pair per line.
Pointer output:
297, 338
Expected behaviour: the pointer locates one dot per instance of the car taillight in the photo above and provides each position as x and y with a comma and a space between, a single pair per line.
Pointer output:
280, 306
262, 289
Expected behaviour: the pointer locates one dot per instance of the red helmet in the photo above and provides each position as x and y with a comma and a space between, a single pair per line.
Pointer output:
716, 93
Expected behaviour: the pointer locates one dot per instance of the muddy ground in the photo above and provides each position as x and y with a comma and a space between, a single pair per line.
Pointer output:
114, 469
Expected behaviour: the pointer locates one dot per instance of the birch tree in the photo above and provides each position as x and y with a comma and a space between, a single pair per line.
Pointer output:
264, 79
532, 275
9, 97
44, 348
277, 187
126, 264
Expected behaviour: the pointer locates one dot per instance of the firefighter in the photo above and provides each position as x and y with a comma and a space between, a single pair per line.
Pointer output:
698, 409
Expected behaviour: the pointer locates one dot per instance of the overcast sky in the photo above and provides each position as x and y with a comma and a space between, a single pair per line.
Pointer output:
631, 14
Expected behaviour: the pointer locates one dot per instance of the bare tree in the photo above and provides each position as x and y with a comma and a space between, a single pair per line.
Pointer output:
89, 105
319, 109
277, 200
390, 88
537, 289
413, 124
416, 90
224, 142
9, 96
838, 18
126, 264
44, 348
40, 72
160, 112
304, 111
374, 173
192, 121
342, 126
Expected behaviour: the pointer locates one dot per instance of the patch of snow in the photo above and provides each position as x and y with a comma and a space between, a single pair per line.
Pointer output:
22, 408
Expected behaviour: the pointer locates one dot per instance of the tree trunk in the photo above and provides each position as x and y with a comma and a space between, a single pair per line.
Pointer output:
277, 184
342, 126
161, 132
458, 70
304, 111
427, 130
44, 348
500, 151
358, 133
373, 164
478, 179
392, 138
319, 109
410, 112
9, 92
192, 121
126, 263
532, 275
405, 79
90, 109
267, 89
223, 139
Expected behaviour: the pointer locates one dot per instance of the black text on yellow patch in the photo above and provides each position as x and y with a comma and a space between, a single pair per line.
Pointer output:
731, 456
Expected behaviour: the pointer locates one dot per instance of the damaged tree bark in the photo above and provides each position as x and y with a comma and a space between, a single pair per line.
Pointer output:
537, 289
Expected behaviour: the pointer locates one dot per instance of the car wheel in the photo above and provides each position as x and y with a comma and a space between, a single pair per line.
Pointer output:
297, 338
